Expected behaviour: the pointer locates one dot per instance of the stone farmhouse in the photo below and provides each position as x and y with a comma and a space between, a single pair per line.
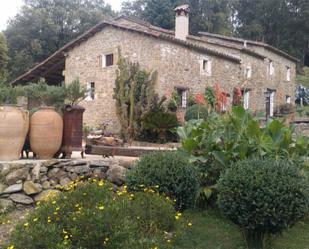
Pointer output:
185, 63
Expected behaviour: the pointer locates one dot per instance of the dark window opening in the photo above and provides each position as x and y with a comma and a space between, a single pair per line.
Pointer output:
109, 60
92, 90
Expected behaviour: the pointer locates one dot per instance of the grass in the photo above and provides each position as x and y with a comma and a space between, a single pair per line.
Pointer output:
211, 231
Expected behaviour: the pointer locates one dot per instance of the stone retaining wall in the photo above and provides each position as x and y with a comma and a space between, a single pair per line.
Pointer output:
25, 182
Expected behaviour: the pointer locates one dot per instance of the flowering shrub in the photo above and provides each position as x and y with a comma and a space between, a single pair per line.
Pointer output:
94, 215
170, 173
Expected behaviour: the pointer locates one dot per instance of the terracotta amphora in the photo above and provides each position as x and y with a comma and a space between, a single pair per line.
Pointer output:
46, 128
14, 125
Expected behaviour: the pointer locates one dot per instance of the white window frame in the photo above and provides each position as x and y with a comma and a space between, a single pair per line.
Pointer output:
248, 72
184, 98
271, 68
208, 69
104, 60
288, 73
271, 103
90, 95
246, 98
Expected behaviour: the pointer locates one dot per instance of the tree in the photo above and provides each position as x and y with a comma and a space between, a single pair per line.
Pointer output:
303, 79
206, 15
44, 26
283, 24
3, 58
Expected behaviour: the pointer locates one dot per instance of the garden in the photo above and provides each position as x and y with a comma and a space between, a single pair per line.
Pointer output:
229, 186
233, 183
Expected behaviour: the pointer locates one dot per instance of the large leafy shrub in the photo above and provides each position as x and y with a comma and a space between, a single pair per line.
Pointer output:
263, 197
170, 173
238, 135
94, 216
196, 112
213, 144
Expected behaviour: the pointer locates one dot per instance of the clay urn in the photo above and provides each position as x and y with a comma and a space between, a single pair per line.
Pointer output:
46, 128
14, 125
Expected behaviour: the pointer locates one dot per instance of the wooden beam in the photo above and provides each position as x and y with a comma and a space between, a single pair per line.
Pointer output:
118, 151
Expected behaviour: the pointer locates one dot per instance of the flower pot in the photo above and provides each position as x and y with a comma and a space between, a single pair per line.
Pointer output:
14, 127
46, 128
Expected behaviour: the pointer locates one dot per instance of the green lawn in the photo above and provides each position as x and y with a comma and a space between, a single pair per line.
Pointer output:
211, 231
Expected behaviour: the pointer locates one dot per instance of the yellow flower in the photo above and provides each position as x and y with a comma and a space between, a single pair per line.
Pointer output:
155, 247
66, 237
11, 247
64, 231
168, 241
106, 239
35, 219
101, 183
58, 208
176, 217
54, 202
26, 224
101, 207
189, 224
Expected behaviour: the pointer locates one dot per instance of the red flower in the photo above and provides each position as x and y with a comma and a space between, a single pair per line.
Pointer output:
200, 99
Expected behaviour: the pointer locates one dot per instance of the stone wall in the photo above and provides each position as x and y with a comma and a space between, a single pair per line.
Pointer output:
25, 182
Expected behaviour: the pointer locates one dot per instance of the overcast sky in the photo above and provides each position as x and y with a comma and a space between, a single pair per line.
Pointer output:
9, 8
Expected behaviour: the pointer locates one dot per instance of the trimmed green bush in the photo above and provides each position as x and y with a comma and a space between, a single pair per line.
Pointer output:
95, 216
196, 112
263, 197
170, 173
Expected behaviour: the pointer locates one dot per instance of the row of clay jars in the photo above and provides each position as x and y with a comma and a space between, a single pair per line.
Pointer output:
46, 128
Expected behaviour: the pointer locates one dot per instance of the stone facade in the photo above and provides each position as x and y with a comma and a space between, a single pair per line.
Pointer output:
29, 181
178, 66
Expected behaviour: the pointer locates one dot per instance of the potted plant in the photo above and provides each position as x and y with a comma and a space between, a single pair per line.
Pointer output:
73, 119
14, 124
46, 124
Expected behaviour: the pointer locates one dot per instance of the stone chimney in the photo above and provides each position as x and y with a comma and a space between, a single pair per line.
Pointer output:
182, 22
